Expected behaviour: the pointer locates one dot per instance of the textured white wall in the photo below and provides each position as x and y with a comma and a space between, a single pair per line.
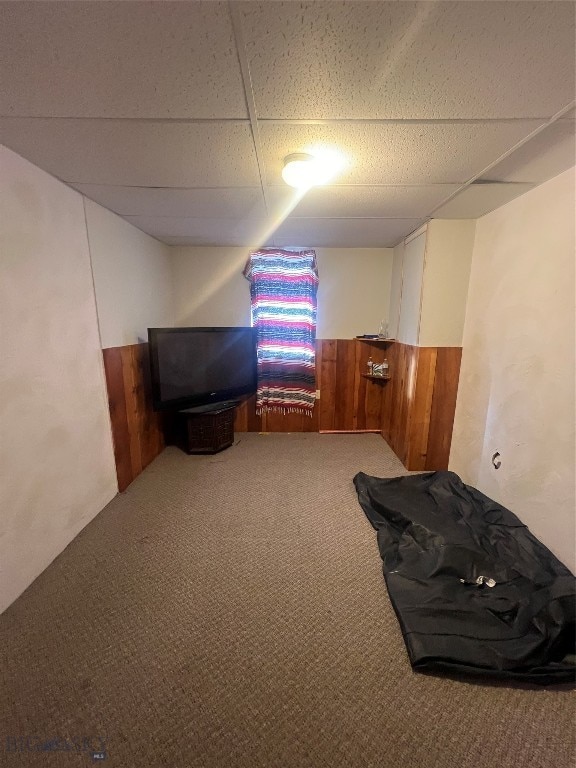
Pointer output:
56, 456
353, 296
449, 246
516, 393
209, 288
354, 290
132, 278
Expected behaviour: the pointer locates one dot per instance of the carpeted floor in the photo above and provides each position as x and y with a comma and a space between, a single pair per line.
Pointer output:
229, 611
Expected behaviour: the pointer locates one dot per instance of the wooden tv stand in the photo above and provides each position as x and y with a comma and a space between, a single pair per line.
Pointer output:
206, 429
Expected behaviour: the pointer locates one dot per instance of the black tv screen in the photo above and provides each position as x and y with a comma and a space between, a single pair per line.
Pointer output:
199, 366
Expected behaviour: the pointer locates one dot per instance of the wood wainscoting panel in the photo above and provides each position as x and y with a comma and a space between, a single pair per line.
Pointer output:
368, 394
414, 410
418, 426
398, 397
245, 418
345, 375
326, 382
349, 402
118, 415
149, 422
133, 401
419, 403
443, 407
136, 428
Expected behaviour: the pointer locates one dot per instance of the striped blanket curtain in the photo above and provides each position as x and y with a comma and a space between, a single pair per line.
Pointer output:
283, 287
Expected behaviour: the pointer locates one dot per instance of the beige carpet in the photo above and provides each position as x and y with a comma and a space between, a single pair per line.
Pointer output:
229, 611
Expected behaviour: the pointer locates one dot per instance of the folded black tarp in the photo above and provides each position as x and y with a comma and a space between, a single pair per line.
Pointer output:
442, 543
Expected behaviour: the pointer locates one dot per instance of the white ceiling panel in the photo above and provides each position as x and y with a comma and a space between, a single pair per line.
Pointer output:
362, 202
204, 231
137, 153
396, 153
117, 59
344, 233
546, 155
410, 60
199, 242
178, 115
150, 201
478, 199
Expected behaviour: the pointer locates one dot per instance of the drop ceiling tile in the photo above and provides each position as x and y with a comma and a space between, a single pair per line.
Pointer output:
193, 203
222, 241
117, 59
396, 153
137, 153
360, 201
478, 199
410, 60
546, 155
203, 231
344, 233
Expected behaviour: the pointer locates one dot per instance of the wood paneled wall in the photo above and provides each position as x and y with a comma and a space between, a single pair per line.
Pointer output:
414, 411
419, 404
348, 401
136, 428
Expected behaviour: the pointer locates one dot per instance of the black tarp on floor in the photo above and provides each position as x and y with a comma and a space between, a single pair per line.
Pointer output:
437, 537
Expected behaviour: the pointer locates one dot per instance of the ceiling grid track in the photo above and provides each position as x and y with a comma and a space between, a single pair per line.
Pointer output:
186, 140
506, 154
235, 10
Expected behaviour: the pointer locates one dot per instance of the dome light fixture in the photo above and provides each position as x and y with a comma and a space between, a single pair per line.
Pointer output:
302, 170
298, 170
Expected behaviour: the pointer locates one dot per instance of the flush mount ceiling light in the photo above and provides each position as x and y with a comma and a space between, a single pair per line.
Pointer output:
298, 170
302, 170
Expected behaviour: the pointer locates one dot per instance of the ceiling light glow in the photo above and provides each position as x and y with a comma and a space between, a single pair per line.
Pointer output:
303, 170
298, 170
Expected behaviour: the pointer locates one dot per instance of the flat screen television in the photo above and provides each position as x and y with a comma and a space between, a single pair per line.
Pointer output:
200, 366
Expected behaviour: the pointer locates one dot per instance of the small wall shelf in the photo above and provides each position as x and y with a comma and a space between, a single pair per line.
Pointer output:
376, 378
375, 339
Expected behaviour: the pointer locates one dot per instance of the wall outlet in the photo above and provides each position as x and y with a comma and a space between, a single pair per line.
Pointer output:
317, 394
